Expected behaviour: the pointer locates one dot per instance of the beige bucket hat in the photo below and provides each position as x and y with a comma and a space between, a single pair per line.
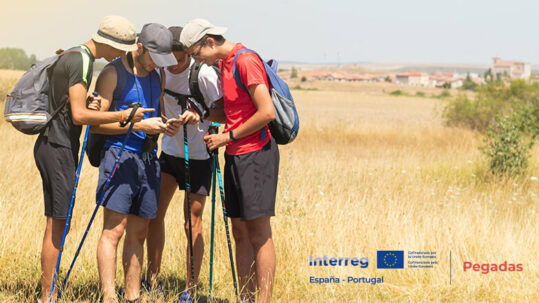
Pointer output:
117, 32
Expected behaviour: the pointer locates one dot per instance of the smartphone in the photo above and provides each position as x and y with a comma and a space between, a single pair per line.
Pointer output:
173, 120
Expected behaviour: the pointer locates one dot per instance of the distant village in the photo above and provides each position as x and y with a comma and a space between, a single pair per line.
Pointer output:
499, 70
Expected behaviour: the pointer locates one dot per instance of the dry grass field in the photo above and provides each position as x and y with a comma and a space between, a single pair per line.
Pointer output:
368, 172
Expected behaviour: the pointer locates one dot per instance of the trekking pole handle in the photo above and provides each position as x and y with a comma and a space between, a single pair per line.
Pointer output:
134, 107
214, 130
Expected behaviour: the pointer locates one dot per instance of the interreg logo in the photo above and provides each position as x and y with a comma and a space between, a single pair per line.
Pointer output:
340, 261
390, 259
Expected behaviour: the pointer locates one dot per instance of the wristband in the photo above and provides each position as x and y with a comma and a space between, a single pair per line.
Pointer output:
231, 134
122, 119
134, 107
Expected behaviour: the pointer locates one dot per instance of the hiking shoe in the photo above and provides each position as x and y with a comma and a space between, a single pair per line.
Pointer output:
121, 295
144, 285
155, 291
185, 297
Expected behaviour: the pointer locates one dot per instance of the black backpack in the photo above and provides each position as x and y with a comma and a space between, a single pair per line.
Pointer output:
27, 106
194, 87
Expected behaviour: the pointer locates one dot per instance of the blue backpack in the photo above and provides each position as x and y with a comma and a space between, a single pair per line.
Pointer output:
285, 127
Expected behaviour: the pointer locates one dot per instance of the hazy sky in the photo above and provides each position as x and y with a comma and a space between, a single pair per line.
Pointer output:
422, 31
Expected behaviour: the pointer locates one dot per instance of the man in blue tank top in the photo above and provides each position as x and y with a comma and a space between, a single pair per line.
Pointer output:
131, 200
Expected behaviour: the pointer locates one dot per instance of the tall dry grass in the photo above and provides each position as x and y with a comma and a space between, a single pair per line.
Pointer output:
368, 172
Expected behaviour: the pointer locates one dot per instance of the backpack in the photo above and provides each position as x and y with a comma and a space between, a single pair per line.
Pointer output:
27, 106
285, 127
96, 142
194, 88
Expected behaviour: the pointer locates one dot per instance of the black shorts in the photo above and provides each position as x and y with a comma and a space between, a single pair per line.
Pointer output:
57, 165
199, 172
251, 183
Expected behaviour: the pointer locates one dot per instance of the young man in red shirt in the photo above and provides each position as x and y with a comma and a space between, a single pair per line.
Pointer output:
252, 156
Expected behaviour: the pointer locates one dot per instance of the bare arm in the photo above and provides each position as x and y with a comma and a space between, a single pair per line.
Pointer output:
106, 83
81, 114
264, 114
217, 113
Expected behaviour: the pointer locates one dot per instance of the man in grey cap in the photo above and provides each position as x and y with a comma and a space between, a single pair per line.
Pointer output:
57, 147
131, 200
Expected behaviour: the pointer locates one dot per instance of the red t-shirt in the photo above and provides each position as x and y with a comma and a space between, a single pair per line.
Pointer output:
239, 106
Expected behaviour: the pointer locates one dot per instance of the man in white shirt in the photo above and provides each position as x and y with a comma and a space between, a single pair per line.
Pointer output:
173, 155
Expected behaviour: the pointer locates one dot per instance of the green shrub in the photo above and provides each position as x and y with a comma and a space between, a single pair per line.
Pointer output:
506, 147
420, 94
397, 92
496, 99
293, 73
299, 87
444, 94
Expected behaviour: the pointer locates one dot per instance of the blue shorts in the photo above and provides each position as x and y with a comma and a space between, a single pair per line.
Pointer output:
134, 188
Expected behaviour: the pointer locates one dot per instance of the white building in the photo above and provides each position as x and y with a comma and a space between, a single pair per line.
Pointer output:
412, 78
511, 69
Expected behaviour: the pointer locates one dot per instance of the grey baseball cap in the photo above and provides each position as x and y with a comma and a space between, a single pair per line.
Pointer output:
158, 40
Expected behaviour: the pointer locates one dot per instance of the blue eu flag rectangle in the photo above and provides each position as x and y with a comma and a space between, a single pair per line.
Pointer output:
390, 259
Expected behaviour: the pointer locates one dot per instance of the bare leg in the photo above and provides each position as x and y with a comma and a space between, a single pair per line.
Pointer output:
245, 260
262, 243
133, 254
113, 229
52, 239
197, 208
156, 229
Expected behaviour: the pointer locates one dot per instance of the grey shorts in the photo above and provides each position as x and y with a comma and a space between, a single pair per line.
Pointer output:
251, 183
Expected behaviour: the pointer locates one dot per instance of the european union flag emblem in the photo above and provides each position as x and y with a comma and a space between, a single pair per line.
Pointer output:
390, 259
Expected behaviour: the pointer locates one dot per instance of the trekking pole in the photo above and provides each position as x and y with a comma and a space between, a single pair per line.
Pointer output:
188, 194
222, 193
101, 198
212, 131
70, 211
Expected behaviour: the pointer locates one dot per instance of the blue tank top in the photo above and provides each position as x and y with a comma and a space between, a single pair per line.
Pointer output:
147, 91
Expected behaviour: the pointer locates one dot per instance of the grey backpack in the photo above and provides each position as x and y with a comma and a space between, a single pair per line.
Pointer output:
27, 106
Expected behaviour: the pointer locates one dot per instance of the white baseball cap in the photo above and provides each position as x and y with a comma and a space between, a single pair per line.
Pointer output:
195, 30
117, 32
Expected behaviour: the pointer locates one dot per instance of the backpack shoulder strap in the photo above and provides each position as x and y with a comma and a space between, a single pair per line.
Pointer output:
194, 85
235, 71
237, 77
59, 54
120, 82
85, 63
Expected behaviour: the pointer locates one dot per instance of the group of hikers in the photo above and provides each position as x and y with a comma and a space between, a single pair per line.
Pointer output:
154, 68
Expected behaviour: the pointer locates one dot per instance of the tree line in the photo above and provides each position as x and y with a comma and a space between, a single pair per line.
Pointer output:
16, 58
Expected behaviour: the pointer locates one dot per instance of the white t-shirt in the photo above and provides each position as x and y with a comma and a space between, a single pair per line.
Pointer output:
210, 86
